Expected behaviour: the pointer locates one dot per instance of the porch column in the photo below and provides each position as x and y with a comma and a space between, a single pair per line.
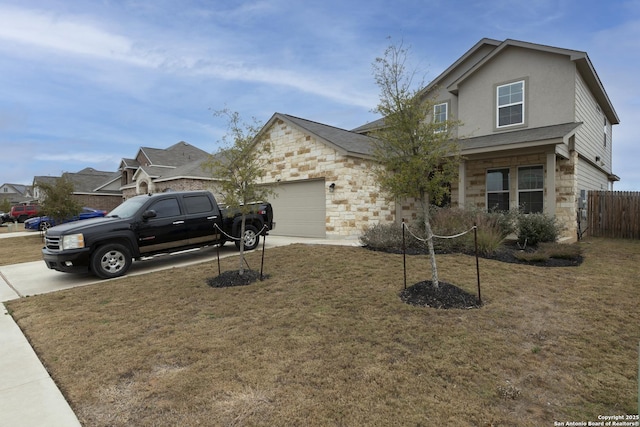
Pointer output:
550, 181
462, 178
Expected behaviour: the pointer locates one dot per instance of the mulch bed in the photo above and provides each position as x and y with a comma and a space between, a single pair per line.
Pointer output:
233, 278
504, 254
449, 296
423, 294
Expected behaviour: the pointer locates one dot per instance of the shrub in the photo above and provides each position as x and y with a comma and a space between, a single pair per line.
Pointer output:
537, 228
389, 237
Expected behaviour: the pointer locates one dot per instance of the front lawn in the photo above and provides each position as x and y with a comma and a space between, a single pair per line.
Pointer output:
326, 340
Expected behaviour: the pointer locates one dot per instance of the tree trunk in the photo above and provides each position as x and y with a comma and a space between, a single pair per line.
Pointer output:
432, 253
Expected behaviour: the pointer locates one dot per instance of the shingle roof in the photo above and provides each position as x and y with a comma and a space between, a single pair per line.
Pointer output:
177, 155
350, 143
190, 170
519, 136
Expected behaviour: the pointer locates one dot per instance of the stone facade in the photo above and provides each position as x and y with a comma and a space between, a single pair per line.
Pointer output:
356, 201
567, 195
565, 191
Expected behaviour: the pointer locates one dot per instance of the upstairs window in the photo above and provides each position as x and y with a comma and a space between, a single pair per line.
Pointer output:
531, 189
510, 104
440, 115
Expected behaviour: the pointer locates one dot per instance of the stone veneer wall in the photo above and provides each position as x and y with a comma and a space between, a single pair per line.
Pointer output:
356, 201
566, 186
567, 196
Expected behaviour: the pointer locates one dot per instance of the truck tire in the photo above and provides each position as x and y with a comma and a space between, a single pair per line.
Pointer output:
251, 238
111, 260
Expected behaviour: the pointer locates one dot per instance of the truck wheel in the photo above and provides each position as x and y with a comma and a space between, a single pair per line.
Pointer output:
111, 260
251, 238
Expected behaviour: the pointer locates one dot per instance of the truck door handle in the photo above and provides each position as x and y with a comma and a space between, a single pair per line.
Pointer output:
213, 217
178, 222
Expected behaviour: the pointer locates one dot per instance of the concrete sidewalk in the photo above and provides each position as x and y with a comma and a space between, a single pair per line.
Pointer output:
28, 395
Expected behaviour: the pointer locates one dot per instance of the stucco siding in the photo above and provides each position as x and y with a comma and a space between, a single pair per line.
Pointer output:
549, 90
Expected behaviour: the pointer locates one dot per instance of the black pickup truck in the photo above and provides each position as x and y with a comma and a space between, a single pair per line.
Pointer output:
148, 225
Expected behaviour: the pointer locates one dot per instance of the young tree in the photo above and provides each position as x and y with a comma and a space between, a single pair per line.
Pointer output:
239, 166
57, 200
417, 157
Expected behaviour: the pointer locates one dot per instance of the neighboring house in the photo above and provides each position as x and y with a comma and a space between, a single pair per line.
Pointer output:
536, 128
154, 170
16, 193
92, 188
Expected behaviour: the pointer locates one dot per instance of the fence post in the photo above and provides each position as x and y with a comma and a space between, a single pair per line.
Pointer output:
404, 256
475, 239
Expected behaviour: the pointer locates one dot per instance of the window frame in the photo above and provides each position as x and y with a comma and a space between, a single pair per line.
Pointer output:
523, 103
446, 115
531, 190
506, 191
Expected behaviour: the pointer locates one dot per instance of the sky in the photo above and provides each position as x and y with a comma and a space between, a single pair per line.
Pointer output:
87, 83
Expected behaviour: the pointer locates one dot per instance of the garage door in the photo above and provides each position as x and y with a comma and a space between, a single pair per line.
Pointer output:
299, 209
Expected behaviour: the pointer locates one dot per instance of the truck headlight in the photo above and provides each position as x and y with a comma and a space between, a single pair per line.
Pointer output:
73, 241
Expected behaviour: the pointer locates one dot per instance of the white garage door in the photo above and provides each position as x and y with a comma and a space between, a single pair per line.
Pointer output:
299, 209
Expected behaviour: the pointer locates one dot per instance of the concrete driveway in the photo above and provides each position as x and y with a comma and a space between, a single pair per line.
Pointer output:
33, 278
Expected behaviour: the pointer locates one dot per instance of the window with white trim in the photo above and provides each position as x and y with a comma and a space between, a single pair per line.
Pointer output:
531, 189
510, 104
440, 115
498, 189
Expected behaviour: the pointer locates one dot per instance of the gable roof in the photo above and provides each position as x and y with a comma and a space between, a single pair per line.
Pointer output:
178, 154
487, 49
88, 180
581, 60
346, 142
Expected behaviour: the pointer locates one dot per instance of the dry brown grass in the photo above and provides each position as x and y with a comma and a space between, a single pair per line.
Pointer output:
326, 341
17, 249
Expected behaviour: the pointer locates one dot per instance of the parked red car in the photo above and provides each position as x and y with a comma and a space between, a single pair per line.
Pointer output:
22, 212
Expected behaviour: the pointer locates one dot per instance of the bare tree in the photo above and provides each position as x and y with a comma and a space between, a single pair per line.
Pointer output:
417, 156
239, 166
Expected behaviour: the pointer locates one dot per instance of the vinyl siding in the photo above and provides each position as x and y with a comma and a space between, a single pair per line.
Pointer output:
590, 177
590, 137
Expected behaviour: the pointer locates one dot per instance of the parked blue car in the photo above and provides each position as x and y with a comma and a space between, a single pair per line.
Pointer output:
42, 223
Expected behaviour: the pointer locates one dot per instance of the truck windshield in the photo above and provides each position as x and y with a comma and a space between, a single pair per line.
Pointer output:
128, 208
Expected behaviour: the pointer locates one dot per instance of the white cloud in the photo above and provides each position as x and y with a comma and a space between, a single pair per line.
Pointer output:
80, 157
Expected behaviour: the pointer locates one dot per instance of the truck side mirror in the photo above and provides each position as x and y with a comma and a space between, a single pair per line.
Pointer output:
149, 214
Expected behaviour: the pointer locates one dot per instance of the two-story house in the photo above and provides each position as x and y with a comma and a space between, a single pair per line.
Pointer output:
536, 128
535, 135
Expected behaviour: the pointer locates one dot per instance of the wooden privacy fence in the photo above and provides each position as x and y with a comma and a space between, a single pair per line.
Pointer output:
614, 214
